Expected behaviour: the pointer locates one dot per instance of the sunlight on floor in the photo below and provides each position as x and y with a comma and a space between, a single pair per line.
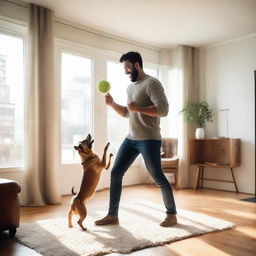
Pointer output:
208, 209
240, 213
197, 248
249, 231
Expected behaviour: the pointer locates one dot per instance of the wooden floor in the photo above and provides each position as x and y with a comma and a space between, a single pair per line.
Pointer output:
240, 241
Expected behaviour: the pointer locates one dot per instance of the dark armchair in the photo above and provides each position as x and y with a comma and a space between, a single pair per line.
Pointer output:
9, 206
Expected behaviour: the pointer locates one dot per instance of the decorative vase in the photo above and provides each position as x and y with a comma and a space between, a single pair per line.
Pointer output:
200, 133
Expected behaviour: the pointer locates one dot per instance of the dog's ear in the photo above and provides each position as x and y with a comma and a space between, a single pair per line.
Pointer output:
76, 147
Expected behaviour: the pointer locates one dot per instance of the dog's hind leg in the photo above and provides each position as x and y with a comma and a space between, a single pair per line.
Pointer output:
82, 213
70, 214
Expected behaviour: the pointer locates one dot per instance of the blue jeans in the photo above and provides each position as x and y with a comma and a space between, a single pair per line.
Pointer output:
128, 151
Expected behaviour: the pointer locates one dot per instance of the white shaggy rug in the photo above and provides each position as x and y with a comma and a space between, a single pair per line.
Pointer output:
139, 228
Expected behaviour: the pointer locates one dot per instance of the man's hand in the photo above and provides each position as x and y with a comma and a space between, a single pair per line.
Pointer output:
121, 110
109, 100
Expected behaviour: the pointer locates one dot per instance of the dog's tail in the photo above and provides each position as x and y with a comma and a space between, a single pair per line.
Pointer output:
109, 161
72, 191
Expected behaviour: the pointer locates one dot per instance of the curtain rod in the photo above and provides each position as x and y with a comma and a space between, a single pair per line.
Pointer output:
98, 33
17, 3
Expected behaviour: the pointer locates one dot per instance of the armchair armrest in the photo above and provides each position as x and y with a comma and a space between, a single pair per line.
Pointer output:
176, 157
170, 161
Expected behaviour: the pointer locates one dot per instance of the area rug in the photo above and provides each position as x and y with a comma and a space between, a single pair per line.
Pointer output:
139, 228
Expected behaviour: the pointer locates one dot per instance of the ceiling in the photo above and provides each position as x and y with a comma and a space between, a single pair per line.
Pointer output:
162, 23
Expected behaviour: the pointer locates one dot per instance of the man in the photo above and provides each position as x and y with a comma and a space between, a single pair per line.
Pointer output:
146, 104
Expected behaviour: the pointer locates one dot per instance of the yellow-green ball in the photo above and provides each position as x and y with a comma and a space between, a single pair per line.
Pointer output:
104, 86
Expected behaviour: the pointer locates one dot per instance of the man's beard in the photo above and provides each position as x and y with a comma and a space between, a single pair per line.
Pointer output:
134, 74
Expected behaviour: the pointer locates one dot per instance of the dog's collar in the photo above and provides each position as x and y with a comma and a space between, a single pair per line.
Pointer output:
87, 160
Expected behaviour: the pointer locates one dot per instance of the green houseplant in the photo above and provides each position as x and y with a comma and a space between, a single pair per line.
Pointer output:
199, 113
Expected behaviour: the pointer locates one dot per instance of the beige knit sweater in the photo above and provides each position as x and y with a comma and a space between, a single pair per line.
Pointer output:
146, 92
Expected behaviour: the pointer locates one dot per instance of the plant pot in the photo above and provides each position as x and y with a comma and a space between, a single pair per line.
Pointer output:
200, 133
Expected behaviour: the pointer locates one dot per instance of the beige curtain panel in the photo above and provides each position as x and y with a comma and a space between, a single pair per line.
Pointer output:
188, 78
42, 158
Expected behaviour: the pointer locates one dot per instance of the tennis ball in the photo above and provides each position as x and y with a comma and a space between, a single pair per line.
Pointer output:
104, 86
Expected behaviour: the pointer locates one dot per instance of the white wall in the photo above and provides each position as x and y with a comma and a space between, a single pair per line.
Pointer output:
227, 81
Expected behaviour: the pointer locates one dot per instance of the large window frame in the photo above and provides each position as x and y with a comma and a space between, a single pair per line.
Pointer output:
67, 47
19, 30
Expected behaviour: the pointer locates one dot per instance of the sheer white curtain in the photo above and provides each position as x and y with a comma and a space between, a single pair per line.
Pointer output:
42, 151
188, 77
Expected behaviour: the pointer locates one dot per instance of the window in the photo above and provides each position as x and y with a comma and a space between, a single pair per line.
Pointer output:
151, 71
76, 103
11, 101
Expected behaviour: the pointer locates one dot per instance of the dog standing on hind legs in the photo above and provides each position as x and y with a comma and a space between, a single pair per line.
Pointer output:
93, 168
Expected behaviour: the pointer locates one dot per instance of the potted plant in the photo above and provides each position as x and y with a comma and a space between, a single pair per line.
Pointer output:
199, 113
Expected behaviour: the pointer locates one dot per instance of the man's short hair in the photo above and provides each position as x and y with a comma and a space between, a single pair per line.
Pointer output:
133, 57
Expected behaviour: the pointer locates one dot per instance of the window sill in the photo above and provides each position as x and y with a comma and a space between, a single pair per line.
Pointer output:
11, 169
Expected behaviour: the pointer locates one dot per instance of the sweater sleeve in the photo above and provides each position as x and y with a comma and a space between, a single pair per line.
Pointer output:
156, 94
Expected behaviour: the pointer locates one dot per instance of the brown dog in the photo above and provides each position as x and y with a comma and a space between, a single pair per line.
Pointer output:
92, 171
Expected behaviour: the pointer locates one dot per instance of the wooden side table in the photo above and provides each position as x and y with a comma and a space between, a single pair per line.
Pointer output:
215, 153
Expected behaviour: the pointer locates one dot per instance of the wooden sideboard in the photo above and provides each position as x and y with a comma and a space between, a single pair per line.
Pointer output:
216, 153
